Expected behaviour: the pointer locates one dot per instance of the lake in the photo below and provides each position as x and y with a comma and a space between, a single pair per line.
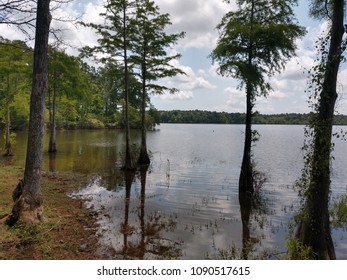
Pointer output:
186, 205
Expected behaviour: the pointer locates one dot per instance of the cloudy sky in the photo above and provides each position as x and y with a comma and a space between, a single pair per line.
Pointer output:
202, 88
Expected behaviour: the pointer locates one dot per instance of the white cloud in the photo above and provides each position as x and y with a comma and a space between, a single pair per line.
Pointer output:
181, 95
236, 101
75, 35
189, 82
197, 18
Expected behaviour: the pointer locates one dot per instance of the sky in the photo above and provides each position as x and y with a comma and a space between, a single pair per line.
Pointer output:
202, 88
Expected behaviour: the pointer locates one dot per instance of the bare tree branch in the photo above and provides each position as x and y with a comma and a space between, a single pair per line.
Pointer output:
21, 15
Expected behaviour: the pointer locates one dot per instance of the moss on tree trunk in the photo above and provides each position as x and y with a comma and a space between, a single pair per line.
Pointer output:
314, 228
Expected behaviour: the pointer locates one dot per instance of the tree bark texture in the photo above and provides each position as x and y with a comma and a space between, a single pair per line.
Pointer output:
27, 196
314, 228
128, 165
246, 184
143, 157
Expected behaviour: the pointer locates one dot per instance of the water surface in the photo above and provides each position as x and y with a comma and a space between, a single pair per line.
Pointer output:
186, 205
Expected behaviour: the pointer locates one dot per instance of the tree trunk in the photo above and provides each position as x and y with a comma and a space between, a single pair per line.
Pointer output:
314, 228
246, 176
27, 196
128, 165
143, 157
8, 146
52, 148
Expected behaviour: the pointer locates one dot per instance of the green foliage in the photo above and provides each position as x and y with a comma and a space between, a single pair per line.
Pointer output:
85, 97
30, 234
20, 110
150, 47
314, 184
321, 9
256, 40
298, 251
12, 137
15, 70
152, 118
339, 212
314, 159
90, 121
134, 33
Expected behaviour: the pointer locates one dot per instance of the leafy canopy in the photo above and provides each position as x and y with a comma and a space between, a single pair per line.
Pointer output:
256, 40
151, 44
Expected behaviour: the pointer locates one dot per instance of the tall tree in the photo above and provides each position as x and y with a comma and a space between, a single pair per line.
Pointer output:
110, 91
255, 41
150, 45
65, 78
114, 43
314, 228
54, 74
27, 195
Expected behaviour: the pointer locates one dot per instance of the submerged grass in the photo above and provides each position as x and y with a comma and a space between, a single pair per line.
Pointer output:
68, 231
338, 212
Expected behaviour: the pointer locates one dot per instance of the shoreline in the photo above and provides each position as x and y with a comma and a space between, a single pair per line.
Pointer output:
69, 229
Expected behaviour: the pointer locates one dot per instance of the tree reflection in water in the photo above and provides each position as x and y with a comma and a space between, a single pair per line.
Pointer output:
52, 163
252, 208
146, 238
248, 242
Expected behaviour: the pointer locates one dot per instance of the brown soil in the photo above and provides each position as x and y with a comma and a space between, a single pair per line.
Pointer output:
68, 231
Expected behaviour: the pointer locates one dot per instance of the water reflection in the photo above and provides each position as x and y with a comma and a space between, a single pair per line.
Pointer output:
144, 239
252, 209
245, 209
52, 163
126, 228
187, 205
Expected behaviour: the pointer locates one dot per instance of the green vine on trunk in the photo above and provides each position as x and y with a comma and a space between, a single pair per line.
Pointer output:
313, 237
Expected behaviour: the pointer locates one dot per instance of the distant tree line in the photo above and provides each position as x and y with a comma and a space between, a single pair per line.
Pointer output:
212, 117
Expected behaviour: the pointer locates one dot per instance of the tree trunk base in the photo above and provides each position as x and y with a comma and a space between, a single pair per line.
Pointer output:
322, 245
246, 182
8, 153
26, 209
143, 158
52, 149
23, 212
129, 165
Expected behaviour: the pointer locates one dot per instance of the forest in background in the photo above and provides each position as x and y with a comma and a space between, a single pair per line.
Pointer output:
208, 117
85, 97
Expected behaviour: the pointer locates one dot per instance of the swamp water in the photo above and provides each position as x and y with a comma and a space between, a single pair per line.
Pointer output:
186, 204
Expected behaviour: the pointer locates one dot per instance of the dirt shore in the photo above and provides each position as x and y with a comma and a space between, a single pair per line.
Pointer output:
68, 232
